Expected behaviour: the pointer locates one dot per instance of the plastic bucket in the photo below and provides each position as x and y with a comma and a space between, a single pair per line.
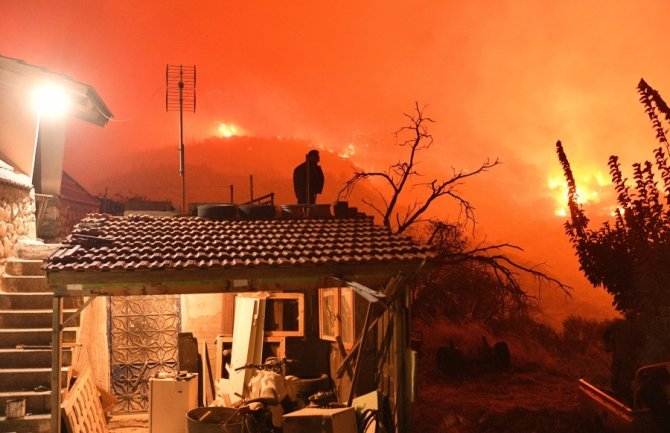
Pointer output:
214, 420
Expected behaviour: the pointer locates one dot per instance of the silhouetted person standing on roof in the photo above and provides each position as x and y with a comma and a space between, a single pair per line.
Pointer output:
308, 179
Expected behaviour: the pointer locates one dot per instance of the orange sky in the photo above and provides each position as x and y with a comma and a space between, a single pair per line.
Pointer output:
502, 79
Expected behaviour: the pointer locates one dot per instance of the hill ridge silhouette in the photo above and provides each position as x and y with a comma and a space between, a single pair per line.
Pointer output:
213, 164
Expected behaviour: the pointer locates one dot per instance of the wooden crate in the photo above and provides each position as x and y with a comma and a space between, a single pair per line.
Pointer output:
82, 409
317, 420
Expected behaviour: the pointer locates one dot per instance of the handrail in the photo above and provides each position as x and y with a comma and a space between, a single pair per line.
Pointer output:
264, 199
41, 201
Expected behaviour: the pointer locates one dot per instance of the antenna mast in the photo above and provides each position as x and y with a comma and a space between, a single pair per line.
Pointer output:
180, 95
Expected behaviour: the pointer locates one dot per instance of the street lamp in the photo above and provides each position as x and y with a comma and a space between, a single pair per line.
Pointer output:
50, 99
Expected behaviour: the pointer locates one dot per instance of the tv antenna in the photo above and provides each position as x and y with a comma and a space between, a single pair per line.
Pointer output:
180, 96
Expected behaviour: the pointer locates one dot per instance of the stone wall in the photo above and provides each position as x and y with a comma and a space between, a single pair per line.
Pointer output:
17, 217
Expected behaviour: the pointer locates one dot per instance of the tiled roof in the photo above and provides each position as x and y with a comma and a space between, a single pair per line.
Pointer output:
11, 177
103, 242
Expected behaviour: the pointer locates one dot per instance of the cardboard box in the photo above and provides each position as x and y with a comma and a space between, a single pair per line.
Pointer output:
15, 408
316, 420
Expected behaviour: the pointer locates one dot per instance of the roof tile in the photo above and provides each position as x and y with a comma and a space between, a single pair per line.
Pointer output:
103, 242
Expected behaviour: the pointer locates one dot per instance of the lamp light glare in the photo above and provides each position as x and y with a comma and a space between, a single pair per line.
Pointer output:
50, 100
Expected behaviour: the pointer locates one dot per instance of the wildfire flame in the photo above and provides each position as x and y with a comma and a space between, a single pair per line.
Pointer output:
589, 192
229, 130
348, 151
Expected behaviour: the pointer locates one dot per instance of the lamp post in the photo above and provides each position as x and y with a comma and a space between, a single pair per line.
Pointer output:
49, 100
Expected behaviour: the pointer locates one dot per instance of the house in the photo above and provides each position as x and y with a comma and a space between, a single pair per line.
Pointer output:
35, 104
34, 189
348, 274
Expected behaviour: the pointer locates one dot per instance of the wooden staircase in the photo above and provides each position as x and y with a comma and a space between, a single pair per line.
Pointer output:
25, 339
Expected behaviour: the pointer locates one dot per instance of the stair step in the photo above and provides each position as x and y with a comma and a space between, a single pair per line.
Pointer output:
16, 266
36, 401
12, 337
28, 424
34, 250
27, 379
30, 358
31, 318
24, 283
32, 300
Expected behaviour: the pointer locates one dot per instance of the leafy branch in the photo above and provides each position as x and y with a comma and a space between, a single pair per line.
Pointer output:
631, 259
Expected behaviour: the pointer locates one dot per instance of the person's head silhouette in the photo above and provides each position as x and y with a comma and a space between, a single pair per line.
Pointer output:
313, 156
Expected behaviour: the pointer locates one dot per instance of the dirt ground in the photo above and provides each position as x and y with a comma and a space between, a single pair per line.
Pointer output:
129, 423
514, 401
537, 394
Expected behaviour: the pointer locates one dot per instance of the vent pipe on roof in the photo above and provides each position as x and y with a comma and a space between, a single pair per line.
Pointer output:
251, 188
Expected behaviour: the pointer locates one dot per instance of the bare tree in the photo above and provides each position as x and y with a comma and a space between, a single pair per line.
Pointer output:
404, 176
476, 280
493, 257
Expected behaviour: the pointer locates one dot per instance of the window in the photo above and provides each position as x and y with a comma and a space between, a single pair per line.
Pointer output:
284, 314
336, 314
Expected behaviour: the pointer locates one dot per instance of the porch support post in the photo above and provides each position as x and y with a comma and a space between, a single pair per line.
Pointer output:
401, 337
56, 362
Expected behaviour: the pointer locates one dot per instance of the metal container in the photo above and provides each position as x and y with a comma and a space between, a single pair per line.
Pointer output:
218, 212
214, 420
257, 211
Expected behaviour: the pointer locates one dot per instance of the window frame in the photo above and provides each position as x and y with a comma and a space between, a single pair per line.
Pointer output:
343, 300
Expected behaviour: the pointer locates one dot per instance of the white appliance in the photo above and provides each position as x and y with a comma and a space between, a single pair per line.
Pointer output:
169, 401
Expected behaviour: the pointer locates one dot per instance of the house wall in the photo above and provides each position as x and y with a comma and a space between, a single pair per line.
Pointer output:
19, 120
201, 315
51, 154
17, 139
94, 339
17, 217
